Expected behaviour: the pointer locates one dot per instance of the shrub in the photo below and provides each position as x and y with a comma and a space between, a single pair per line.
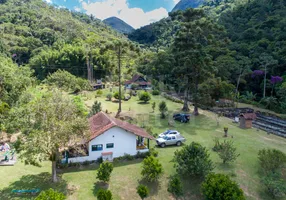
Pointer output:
219, 186
86, 163
50, 195
99, 160
104, 171
217, 147
175, 186
79, 103
104, 195
193, 160
163, 109
109, 96
98, 93
142, 155
154, 152
227, 152
96, 108
142, 191
145, 96
275, 185
128, 157
116, 95
134, 86
271, 160
155, 92
67, 81
153, 106
152, 169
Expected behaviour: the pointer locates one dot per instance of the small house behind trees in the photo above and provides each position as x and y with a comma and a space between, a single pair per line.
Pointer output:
246, 120
138, 80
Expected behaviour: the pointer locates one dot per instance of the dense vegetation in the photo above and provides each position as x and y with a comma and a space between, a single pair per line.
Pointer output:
47, 38
185, 4
232, 45
247, 65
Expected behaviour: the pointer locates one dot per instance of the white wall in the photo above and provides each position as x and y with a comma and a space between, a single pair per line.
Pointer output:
77, 159
124, 143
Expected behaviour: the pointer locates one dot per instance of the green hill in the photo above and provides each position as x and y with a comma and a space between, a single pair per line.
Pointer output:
185, 4
48, 38
119, 25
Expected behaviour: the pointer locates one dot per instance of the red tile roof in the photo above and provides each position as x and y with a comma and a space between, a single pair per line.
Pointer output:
248, 116
102, 122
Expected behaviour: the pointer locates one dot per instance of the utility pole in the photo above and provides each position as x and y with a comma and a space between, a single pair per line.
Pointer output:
119, 79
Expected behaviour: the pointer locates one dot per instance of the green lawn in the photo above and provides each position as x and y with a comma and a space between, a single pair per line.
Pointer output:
80, 183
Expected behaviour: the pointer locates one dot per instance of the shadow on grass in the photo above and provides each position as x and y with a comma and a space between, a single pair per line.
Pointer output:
143, 103
79, 168
95, 166
225, 166
170, 146
192, 187
99, 185
123, 163
152, 186
28, 182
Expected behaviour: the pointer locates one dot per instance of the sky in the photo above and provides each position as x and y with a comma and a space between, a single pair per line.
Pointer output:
136, 13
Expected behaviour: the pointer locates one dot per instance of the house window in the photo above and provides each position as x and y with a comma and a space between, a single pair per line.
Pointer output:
98, 147
109, 145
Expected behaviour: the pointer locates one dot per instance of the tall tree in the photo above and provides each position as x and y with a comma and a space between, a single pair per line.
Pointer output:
266, 61
121, 48
55, 126
191, 50
243, 67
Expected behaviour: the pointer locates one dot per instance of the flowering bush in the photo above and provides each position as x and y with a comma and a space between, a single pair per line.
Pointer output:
257, 73
276, 79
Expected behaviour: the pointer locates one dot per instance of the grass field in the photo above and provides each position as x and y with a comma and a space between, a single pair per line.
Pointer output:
80, 183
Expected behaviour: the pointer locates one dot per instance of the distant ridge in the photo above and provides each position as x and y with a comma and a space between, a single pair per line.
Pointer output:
119, 25
185, 4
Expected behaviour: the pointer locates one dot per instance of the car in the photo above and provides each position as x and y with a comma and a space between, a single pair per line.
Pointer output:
170, 140
184, 118
169, 132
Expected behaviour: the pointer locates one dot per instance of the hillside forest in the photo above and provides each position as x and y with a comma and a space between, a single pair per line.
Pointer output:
245, 57
225, 49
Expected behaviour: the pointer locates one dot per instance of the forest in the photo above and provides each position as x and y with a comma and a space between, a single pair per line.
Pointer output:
46, 38
52, 59
251, 61
241, 45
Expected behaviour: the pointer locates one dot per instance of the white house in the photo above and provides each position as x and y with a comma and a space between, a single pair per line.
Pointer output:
112, 138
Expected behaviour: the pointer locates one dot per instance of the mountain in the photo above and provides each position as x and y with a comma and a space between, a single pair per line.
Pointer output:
157, 34
119, 25
185, 4
47, 38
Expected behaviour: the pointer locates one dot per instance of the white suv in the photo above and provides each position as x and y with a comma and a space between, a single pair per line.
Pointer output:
169, 133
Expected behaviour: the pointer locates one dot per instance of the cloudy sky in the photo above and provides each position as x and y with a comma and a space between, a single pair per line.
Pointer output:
137, 13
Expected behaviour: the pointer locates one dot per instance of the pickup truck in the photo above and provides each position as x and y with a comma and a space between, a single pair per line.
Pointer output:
170, 140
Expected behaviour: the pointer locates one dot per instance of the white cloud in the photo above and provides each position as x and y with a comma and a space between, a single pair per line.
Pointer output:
49, 1
135, 17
